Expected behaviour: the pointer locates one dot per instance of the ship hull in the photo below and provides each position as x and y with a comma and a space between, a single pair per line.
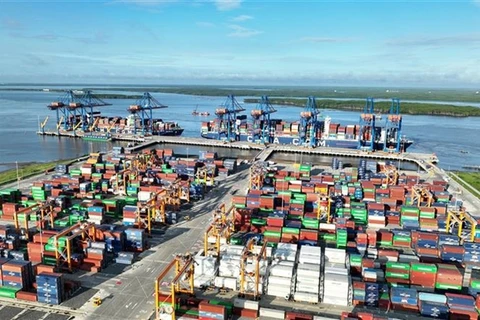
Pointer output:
169, 133
295, 140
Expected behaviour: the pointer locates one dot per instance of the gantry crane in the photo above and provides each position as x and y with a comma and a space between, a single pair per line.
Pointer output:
144, 108
205, 175
367, 135
466, 225
324, 208
94, 124
90, 101
63, 253
391, 174
393, 128
250, 256
262, 125
43, 208
309, 124
182, 283
221, 227
421, 196
73, 108
227, 119
257, 174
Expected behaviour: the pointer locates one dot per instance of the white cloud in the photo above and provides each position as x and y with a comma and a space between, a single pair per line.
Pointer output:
242, 32
242, 17
447, 40
225, 5
205, 24
324, 40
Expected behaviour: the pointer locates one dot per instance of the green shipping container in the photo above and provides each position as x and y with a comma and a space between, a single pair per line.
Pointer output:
442, 286
290, 230
398, 265
475, 284
8, 292
310, 223
259, 222
429, 268
397, 275
273, 234
410, 209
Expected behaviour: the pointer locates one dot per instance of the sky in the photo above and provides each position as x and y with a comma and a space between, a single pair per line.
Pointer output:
361, 43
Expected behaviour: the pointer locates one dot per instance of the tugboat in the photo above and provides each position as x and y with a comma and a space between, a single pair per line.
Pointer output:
198, 113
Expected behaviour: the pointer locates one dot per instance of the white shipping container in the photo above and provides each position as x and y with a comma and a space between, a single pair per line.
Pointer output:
311, 250
272, 280
233, 249
203, 280
268, 250
250, 286
306, 297
285, 255
245, 304
327, 226
271, 313
323, 318
309, 280
309, 259
335, 268
335, 301
226, 282
281, 271
308, 269
213, 240
335, 255
306, 287
279, 291
287, 246
144, 195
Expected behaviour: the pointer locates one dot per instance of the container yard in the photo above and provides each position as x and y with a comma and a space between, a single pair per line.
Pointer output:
149, 235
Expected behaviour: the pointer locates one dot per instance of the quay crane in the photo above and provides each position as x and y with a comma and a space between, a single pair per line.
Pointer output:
262, 125
144, 107
309, 123
67, 106
393, 127
227, 119
367, 127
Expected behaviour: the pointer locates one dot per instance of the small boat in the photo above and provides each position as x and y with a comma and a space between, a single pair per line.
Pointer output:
198, 113
463, 151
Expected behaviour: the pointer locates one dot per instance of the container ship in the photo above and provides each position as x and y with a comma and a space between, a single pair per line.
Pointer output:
372, 132
76, 114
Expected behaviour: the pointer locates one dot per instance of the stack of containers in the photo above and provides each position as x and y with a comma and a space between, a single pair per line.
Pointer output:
452, 253
448, 277
461, 306
410, 217
307, 288
433, 305
17, 274
474, 285
423, 275
471, 252
402, 238
280, 279
96, 214
136, 239
39, 193
229, 268
129, 215
50, 288
404, 299
397, 272
336, 278
205, 270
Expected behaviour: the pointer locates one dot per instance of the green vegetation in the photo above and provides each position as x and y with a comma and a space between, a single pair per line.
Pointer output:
471, 178
29, 170
451, 95
112, 96
383, 107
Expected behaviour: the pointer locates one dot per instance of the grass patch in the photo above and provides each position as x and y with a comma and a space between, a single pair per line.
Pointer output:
472, 178
383, 107
29, 170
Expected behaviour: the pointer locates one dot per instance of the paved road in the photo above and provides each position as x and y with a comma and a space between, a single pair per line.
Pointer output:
128, 291
470, 201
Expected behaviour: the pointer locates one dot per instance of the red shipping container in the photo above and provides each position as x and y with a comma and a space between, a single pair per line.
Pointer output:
297, 316
245, 313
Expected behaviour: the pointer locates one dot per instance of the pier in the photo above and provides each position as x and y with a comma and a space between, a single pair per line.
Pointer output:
425, 161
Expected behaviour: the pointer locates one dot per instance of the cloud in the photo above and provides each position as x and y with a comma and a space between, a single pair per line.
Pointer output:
205, 24
324, 40
429, 41
242, 17
225, 5
242, 32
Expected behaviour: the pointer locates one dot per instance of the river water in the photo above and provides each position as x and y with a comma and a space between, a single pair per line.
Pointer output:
21, 111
